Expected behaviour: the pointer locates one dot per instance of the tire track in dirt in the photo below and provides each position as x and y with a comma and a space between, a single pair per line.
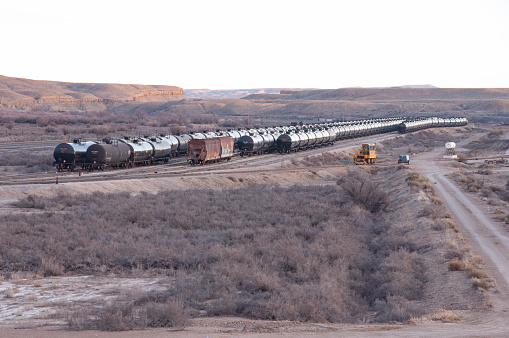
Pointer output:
486, 238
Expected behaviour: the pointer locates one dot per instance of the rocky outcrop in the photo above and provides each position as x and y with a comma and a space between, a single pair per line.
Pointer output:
22, 93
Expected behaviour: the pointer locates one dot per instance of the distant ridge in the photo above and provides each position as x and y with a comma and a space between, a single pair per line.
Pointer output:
18, 93
416, 86
232, 93
241, 93
391, 94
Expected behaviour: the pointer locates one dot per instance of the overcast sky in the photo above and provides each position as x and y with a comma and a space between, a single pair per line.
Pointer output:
221, 44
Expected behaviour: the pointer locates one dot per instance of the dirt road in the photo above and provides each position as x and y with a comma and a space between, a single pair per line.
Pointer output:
487, 238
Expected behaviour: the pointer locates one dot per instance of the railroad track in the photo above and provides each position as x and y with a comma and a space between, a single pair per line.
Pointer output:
178, 166
28, 145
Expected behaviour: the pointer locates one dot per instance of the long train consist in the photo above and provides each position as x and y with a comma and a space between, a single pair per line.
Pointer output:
128, 152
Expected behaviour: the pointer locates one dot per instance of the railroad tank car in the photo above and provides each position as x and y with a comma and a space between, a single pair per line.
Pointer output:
319, 136
304, 139
336, 131
202, 151
415, 124
342, 132
197, 136
235, 134
356, 130
183, 140
269, 142
311, 138
332, 136
109, 153
174, 142
287, 142
347, 131
250, 144
212, 134
141, 151
353, 131
71, 155
162, 148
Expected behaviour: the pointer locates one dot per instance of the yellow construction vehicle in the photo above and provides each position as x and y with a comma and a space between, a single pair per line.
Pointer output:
367, 155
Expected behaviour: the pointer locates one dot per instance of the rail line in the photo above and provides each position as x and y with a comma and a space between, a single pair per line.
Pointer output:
28, 145
178, 166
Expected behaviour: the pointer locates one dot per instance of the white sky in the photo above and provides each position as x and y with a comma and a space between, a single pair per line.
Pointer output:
222, 44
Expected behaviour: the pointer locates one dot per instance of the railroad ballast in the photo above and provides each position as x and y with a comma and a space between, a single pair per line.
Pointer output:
128, 152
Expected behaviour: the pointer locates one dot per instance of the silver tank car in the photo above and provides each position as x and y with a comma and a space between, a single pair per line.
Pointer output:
183, 140
269, 142
311, 138
319, 137
162, 149
235, 135
141, 151
174, 142
303, 139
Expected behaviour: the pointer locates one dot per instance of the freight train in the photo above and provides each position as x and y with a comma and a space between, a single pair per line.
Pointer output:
129, 152
414, 124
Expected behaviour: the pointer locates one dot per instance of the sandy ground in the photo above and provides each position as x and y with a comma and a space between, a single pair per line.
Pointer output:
24, 311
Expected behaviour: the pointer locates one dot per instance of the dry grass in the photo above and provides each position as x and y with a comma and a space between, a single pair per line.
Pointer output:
10, 292
299, 253
478, 276
456, 265
444, 316
321, 253
419, 181
481, 283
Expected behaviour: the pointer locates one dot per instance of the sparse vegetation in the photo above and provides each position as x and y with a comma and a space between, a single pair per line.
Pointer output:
326, 158
420, 182
26, 161
301, 253
486, 180
445, 316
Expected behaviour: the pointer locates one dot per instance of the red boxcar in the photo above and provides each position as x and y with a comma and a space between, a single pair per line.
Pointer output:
202, 151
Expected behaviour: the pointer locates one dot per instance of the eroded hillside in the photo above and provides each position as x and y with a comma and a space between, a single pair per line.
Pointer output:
19, 93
